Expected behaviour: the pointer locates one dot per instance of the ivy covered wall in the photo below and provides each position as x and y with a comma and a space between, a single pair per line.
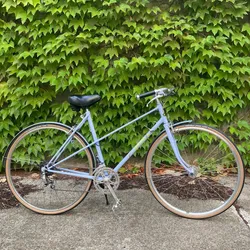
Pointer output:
120, 48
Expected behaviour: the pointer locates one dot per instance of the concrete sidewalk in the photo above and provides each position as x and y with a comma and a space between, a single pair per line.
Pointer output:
141, 223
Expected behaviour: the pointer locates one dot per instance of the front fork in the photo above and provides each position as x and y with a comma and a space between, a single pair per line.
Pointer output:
170, 134
169, 130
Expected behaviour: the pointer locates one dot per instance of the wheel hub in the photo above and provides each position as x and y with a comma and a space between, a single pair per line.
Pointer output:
195, 172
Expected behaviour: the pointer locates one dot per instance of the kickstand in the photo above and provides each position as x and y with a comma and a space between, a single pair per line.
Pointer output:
106, 196
107, 201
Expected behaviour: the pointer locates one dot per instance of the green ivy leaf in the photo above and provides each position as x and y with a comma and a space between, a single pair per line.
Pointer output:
111, 52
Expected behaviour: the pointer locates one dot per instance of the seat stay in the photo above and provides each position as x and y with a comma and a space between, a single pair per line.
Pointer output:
65, 144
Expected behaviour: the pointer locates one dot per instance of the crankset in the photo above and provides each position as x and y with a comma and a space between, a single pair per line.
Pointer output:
106, 180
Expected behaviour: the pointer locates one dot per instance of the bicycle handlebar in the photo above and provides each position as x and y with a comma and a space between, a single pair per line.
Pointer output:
145, 94
165, 92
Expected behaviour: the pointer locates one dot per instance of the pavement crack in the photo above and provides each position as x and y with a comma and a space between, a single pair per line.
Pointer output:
238, 210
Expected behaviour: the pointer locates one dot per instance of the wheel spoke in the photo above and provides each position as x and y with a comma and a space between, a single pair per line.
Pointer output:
210, 190
59, 192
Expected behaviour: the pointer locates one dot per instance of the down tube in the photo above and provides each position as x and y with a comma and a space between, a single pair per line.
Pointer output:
157, 125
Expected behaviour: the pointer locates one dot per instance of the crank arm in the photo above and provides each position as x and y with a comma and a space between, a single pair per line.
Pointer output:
117, 201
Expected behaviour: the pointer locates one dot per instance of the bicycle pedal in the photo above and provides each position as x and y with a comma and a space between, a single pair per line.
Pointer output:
116, 205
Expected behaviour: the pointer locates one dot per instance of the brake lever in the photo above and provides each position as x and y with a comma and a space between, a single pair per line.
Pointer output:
170, 92
156, 97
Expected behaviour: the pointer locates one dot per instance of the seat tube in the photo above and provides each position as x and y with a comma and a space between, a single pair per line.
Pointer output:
93, 132
172, 140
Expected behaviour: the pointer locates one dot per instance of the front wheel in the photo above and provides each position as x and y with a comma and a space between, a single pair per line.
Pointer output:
44, 192
218, 172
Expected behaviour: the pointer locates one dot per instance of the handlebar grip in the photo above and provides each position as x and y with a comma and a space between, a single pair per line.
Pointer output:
145, 94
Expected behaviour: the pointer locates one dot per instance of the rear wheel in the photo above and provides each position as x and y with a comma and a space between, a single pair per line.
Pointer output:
218, 178
43, 192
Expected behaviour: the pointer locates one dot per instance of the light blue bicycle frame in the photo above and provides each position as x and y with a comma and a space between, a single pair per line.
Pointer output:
53, 166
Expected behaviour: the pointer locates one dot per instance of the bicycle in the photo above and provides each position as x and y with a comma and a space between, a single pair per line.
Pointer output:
193, 170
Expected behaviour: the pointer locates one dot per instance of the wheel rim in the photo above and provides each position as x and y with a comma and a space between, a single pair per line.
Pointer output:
29, 152
218, 179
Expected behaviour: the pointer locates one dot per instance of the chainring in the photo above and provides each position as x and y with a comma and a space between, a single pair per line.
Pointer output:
103, 176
